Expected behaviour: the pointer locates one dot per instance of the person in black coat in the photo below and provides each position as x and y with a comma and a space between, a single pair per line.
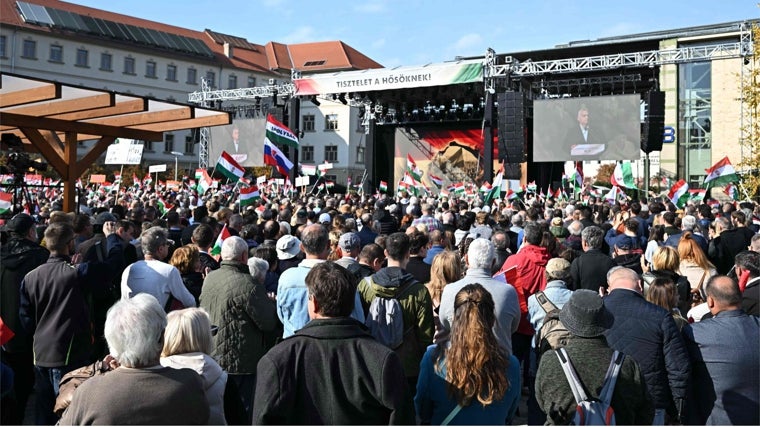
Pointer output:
649, 334
361, 380
589, 271
748, 272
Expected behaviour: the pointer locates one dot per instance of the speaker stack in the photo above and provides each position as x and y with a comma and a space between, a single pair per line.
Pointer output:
512, 136
654, 123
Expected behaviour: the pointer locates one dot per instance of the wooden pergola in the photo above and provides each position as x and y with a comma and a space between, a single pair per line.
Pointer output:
51, 118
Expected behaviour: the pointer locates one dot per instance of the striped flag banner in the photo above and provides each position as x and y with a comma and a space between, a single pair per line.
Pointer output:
6, 202
278, 133
383, 186
436, 180
229, 167
679, 193
248, 196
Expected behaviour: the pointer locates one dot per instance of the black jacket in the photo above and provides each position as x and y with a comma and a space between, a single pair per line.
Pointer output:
54, 306
360, 381
417, 268
649, 334
751, 298
17, 257
589, 271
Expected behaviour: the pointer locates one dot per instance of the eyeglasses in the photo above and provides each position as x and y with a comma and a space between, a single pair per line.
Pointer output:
214, 330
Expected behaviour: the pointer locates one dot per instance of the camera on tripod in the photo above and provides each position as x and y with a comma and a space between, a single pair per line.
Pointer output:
18, 161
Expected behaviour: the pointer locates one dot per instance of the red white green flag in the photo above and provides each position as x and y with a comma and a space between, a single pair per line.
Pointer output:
248, 196
436, 180
278, 133
217, 249
229, 167
732, 191
622, 176
412, 168
721, 173
383, 186
6, 202
679, 193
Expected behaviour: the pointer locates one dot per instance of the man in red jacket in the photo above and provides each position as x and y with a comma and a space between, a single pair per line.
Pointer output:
530, 265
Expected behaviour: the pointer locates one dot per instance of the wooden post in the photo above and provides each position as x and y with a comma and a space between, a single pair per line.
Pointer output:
70, 159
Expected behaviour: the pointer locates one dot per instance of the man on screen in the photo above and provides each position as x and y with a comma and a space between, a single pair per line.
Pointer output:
238, 149
583, 140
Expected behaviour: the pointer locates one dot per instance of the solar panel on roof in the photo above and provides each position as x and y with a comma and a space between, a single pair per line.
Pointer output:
102, 24
90, 24
127, 34
137, 32
153, 34
70, 23
34, 13
79, 21
55, 16
168, 40
114, 29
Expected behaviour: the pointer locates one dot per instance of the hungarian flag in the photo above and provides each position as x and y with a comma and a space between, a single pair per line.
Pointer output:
278, 133
321, 186
249, 195
495, 192
622, 176
6, 202
330, 184
720, 174
459, 188
679, 193
486, 187
199, 173
204, 182
163, 206
532, 186
612, 196
436, 180
116, 178
697, 195
383, 186
412, 168
732, 191
147, 180
274, 157
217, 249
578, 175
229, 167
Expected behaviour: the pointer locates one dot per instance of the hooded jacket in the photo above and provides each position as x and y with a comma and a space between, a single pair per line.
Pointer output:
17, 257
417, 307
214, 380
530, 263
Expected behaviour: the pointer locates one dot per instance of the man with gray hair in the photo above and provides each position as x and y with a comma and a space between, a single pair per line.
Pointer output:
688, 223
153, 276
245, 314
589, 271
146, 393
427, 219
479, 259
574, 240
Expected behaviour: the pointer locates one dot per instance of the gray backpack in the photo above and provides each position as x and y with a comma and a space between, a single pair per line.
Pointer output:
591, 411
385, 318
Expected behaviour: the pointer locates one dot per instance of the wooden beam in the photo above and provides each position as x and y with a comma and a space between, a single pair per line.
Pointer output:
146, 118
99, 148
53, 157
198, 122
28, 96
52, 108
124, 107
70, 159
80, 127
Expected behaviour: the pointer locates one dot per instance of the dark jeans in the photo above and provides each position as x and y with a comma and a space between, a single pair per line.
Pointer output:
246, 383
46, 390
536, 417
13, 406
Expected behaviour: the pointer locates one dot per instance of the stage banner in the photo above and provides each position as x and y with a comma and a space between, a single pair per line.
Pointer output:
440, 74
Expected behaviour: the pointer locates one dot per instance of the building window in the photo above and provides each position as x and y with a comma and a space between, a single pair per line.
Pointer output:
251, 81
695, 121
331, 122
360, 154
232, 82
308, 123
83, 58
106, 62
56, 53
192, 76
189, 144
211, 78
3, 42
148, 146
129, 66
150, 69
331, 153
169, 142
171, 73
307, 154
30, 49
331, 178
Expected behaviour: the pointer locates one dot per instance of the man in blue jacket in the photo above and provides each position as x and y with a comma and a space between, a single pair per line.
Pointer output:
648, 333
725, 360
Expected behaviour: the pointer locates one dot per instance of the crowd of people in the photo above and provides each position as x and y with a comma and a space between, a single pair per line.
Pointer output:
372, 309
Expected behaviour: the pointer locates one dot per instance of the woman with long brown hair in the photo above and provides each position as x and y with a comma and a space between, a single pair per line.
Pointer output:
446, 268
469, 379
694, 265
662, 291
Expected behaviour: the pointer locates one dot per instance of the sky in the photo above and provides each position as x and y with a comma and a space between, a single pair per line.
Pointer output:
417, 32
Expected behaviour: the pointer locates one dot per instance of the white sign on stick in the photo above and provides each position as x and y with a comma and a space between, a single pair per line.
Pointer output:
157, 168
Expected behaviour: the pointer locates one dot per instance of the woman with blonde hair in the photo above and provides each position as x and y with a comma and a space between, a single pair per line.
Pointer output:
694, 265
470, 379
334, 236
446, 268
665, 262
188, 344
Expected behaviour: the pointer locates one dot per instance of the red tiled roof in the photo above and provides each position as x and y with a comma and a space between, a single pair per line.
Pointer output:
272, 58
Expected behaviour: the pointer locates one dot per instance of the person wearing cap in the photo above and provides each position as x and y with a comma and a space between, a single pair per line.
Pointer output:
292, 295
726, 360
586, 318
648, 333
349, 246
288, 253
625, 253
19, 255
53, 307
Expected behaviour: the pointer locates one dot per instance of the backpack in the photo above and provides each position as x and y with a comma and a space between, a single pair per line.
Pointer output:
591, 411
552, 334
385, 318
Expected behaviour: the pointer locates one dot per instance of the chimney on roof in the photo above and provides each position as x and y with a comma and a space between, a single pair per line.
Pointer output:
227, 50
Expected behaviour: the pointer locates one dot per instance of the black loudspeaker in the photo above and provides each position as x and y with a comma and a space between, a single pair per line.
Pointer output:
512, 171
654, 123
511, 121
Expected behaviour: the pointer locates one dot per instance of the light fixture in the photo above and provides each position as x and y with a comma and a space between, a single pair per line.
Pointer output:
342, 99
314, 100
